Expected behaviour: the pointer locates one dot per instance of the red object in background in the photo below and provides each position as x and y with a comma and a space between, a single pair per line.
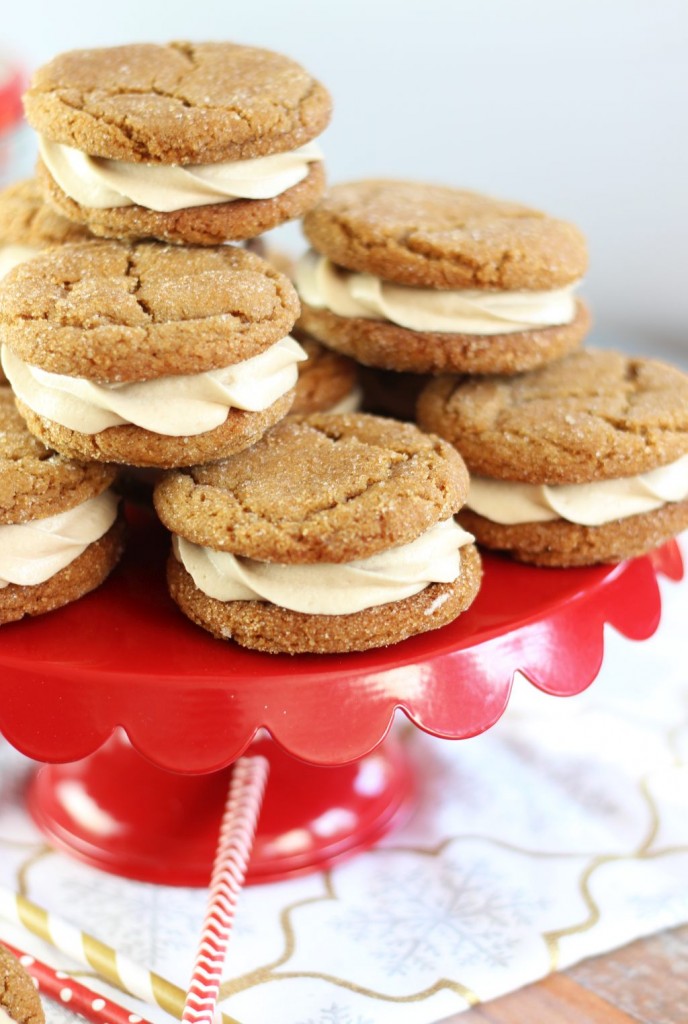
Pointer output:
12, 84
190, 704
14, 150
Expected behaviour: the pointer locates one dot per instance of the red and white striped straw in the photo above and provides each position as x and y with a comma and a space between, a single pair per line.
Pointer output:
246, 789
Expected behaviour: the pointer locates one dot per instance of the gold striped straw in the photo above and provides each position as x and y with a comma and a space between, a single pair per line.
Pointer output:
107, 962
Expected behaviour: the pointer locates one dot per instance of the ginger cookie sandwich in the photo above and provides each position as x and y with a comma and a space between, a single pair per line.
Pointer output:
61, 531
333, 533
186, 142
149, 354
584, 461
20, 1002
429, 279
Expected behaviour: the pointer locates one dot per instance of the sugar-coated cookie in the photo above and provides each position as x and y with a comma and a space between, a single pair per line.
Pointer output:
332, 533
19, 998
582, 461
186, 142
149, 354
430, 279
61, 532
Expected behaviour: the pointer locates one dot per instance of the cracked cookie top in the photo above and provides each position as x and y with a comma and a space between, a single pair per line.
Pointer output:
116, 311
438, 237
593, 415
26, 218
318, 488
36, 482
180, 103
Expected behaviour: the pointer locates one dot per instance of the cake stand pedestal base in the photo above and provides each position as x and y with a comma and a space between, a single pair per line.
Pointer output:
117, 811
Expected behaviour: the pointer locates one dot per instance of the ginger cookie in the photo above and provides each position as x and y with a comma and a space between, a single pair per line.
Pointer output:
61, 532
333, 533
429, 279
149, 354
19, 998
185, 142
579, 462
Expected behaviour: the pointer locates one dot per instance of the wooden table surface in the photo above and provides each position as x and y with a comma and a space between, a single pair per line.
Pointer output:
643, 983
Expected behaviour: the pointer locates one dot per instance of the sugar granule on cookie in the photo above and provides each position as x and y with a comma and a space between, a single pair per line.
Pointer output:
424, 278
20, 1002
580, 462
333, 533
61, 529
186, 142
149, 354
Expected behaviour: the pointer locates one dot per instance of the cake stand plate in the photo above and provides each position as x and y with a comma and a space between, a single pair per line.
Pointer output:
148, 804
310, 816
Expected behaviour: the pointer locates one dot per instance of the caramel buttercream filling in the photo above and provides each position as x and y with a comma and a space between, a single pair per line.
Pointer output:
99, 183
329, 589
324, 285
176, 406
33, 552
593, 504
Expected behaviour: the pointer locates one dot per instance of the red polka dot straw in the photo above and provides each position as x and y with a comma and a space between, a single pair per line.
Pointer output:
63, 988
229, 870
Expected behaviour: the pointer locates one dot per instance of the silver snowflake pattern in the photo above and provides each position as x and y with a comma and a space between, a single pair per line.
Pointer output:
574, 776
419, 918
335, 1014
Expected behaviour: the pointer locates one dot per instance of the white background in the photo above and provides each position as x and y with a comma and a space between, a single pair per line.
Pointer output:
579, 107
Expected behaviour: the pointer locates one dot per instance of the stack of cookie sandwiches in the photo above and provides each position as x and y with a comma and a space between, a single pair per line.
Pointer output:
144, 338
153, 342
131, 349
143, 353
462, 310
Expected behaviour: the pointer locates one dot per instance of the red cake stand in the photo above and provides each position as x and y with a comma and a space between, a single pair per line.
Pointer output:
140, 713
